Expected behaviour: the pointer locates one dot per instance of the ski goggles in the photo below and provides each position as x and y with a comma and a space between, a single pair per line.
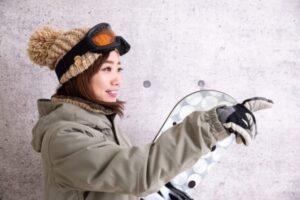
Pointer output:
99, 39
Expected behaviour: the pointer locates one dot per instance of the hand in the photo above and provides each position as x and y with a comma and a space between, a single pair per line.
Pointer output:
240, 120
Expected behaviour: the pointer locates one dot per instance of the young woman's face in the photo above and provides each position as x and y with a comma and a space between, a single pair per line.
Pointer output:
106, 82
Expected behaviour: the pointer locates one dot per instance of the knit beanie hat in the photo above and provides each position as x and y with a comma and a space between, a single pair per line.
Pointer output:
48, 45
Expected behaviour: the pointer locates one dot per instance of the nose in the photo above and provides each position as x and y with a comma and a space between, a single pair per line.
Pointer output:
116, 80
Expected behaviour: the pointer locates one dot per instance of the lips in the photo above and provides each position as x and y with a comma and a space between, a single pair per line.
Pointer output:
112, 93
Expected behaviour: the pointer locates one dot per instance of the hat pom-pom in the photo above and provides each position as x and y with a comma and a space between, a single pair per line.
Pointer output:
39, 44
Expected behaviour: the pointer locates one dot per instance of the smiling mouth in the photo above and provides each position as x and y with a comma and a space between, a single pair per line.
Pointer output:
112, 93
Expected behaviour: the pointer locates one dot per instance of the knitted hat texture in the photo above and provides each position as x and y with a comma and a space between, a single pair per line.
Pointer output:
48, 45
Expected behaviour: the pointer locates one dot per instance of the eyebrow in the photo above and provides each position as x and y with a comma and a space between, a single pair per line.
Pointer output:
111, 62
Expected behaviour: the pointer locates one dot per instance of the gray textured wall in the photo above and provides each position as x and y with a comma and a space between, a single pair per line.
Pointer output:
244, 48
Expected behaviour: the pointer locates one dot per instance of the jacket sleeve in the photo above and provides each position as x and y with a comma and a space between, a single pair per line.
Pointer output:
83, 161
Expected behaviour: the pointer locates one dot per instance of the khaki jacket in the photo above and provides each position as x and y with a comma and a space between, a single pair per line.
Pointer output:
86, 156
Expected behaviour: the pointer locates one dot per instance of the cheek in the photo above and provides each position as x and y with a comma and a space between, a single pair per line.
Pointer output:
98, 84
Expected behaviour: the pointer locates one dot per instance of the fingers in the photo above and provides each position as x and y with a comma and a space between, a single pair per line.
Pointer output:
257, 103
240, 131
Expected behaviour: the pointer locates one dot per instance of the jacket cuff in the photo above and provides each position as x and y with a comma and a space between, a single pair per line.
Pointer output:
218, 130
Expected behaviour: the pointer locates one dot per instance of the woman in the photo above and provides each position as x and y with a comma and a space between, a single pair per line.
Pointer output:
85, 155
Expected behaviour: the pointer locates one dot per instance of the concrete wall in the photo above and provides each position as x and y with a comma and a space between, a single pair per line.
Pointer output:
244, 48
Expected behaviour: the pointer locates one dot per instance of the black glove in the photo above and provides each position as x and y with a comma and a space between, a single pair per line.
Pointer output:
239, 119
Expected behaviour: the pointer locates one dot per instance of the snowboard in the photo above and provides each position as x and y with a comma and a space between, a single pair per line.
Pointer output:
183, 185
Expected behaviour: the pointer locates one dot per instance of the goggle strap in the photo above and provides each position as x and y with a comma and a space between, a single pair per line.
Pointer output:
82, 47
68, 59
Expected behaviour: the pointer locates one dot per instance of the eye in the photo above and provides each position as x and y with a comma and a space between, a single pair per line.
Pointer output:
107, 69
120, 69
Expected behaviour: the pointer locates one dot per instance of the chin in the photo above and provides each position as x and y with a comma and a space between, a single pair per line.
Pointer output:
110, 100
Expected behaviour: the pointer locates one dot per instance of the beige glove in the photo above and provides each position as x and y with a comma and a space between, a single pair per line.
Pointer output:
239, 119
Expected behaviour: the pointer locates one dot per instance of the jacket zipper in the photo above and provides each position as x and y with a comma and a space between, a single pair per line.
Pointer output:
112, 121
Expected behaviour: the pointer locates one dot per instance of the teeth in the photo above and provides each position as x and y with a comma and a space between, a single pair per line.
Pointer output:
113, 92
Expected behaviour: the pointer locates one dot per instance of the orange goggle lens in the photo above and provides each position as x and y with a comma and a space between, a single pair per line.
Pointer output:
105, 37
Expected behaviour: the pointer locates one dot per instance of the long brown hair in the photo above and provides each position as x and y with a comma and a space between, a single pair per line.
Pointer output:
79, 86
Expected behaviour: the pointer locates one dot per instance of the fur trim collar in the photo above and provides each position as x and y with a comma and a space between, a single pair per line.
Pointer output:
85, 104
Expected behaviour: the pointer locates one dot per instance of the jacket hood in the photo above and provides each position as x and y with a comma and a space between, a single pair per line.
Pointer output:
55, 110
